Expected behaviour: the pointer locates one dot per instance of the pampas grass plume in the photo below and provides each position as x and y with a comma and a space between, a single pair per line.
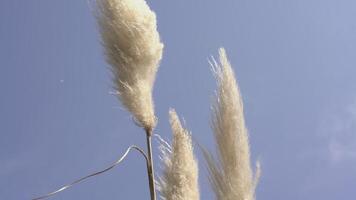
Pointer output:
133, 49
231, 175
180, 176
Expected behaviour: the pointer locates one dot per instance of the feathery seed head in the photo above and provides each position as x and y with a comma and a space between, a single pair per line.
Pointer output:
133, 49
231, 175
180, 176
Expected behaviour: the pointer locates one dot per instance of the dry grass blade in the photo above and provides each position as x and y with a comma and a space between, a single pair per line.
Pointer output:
133, 147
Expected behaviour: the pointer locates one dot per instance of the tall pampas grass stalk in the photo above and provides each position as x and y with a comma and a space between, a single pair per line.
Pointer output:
231, 175
133, 49
180, 176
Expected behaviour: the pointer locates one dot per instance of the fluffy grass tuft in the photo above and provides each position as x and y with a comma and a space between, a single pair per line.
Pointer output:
180, 176
230, 175
133, 49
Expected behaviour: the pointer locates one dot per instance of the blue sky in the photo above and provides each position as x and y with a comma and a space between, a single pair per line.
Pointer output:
295, 62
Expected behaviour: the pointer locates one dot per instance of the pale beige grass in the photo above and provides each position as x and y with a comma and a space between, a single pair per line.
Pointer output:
133, 49
231, 175
180, 175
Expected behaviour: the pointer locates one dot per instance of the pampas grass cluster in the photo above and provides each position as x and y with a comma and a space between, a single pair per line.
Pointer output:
180, 176
230, 174
133, 50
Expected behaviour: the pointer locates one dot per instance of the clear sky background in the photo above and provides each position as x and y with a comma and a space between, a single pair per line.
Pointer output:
295, 62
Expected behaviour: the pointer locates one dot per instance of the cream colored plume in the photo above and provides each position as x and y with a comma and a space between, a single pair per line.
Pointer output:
180, 176
133, 49
231, 175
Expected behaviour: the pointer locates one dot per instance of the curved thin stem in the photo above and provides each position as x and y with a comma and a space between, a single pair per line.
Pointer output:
96, 173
